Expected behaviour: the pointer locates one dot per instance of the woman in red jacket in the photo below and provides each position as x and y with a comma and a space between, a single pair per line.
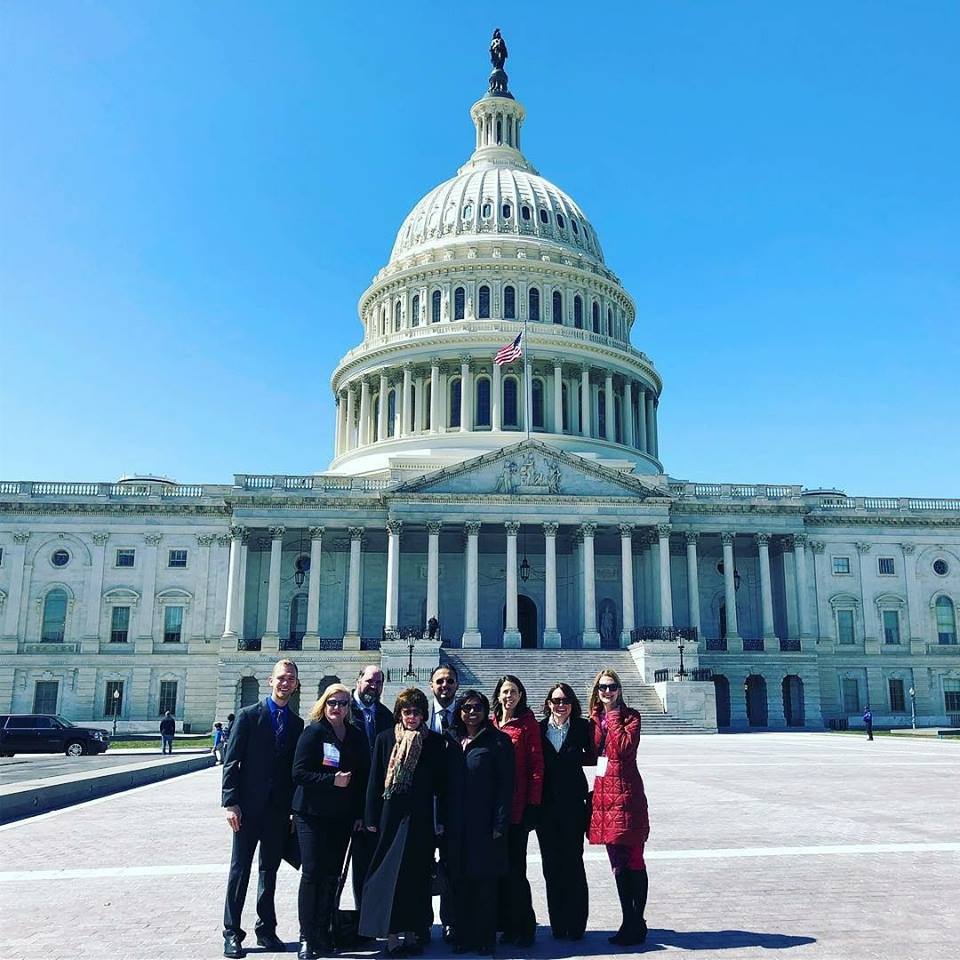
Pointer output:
512, 716
619, 816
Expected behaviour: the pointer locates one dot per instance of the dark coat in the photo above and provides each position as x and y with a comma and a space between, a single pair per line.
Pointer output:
396, 894
528, 762
168, 726
565, 788
479, 800
315, 792
257, 775
382, 720
619, 812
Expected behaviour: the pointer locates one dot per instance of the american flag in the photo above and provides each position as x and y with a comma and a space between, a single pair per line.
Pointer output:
509, 353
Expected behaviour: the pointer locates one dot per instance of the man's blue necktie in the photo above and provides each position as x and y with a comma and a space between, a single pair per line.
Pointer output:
281, 728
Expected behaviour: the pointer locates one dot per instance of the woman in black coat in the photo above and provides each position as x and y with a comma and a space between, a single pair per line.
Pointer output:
330, 771
408, 773
480, 797
564, 814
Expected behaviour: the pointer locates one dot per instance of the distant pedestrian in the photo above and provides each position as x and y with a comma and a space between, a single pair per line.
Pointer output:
168, 728
868, 721
217, 750
226, 730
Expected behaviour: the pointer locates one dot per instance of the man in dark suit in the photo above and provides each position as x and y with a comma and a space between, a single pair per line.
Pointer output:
257, 793
371, 717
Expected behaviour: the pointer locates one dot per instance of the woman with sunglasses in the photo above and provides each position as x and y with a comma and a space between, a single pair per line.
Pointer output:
567, 747
481, 794
330, 772
619, 815
512, 716
407, 775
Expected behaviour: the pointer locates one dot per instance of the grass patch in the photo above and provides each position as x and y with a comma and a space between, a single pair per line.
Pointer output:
179, 743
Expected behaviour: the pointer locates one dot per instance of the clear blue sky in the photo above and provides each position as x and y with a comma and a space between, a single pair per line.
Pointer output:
193, 196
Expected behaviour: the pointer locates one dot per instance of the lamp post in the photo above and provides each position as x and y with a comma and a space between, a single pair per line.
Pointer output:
411, 675
913, 707
682, 673
116, 710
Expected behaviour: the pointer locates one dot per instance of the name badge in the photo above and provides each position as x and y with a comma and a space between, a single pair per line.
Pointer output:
331, 755
601, 766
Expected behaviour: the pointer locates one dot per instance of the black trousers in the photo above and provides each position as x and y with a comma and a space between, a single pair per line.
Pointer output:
323, 845
475, 906
515, 916
269, 830
561, 849
364, 844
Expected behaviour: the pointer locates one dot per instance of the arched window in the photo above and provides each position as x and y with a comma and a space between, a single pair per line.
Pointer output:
566, 409
544, 216
510, 406
618, 420
459, 299
427, 404
601, 414
946, 620
609, 322
537, 398
560, 221
596, 316
54, 616
525, 212
453, 415
507, 211
415, 311
483, 303
375, 407
578, 312
509, 303
391, 413
298, 617
396, 316
249, 691
435, 307
482, 409
499, 131
533, 300
557, 307
383, 321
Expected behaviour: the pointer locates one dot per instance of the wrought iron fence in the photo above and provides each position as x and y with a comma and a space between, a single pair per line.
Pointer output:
254, 643
753, 645
701, 673
661, 676
331, 643
292, 643
666, 634
369, 643
717, 643
789, 643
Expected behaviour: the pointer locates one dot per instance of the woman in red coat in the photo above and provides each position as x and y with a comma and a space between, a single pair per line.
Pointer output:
512, 716
619, 815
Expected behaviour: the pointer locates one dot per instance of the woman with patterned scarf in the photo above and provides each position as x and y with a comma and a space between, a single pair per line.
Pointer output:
407, 775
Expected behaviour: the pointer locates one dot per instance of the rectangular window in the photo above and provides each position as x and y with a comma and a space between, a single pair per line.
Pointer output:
897, 703
172, 624
851, 695
126, 557
845, 626
885, 566
177, 558
113, 699
951, 695
168, 697
120, 625
841, 565
45, 696
891, 626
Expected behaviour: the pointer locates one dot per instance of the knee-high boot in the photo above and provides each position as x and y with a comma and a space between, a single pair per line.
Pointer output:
637, 932
625, 894
325, 906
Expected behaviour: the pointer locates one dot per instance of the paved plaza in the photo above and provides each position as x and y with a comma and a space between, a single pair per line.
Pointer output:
796, 846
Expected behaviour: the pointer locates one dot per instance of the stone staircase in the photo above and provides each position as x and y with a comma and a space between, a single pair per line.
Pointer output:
538, 669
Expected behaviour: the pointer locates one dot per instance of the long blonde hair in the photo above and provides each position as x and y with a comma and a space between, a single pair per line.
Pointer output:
317, 711
595, 695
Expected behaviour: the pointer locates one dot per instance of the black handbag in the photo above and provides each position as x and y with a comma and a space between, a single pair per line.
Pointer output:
346, 923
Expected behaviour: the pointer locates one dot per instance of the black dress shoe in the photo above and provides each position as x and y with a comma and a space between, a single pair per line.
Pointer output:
232, 947
307, 951
270, 941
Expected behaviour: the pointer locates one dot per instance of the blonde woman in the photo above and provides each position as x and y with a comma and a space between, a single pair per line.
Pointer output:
330, 770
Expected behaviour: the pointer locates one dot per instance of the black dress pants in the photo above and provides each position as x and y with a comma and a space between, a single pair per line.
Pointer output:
561, 849
515, 916
269, 830
323, 845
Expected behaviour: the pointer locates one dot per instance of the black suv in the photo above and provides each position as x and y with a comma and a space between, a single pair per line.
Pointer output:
37, 733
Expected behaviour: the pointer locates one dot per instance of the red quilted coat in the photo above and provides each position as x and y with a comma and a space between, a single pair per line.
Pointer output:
524, 734
619, 813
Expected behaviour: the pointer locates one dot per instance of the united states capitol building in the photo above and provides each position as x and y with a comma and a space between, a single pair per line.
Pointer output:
493, 516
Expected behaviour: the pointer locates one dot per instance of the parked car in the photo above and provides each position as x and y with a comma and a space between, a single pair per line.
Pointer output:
41, 733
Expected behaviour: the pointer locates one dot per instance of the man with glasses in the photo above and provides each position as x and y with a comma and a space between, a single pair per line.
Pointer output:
257, 795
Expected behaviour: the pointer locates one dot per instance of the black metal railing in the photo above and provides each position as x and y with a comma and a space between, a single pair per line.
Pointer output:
661, 676
753, 645
717, 643
292, 643
665, 634
701, 673
254, 643
369, 643
331, 643
403, 675
790, 643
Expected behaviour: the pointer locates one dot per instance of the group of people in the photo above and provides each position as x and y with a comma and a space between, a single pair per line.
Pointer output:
439, 794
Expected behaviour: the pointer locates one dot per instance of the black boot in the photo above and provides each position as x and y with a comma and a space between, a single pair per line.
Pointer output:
323, 943
625, 893
636, 932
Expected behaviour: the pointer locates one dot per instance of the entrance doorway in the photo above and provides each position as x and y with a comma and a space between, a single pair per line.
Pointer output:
755, 690
526, 621
721, 687
793, 712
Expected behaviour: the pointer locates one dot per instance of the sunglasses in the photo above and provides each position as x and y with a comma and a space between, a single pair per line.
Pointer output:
560, 701
411, 712
472, 708
608, 687
339, 704
445, 682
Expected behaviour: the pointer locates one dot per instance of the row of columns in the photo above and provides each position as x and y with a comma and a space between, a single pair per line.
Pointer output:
358, 429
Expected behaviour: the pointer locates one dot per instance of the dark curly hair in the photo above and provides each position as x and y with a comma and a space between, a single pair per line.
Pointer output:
411, 697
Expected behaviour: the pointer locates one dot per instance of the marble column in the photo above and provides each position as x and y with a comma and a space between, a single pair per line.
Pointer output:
730, 590
693, 581
610, 425
311, 638
471, 630
557, 396
666, 591
766, 591
433, 569
364, 426
384, 389
511, 635
641, 419
627, 412
651, 427
551, 635
496, 392
464, 394
350, 440
914, 614
626, 583
803, 598
147, 603
435, 396
406, 427
94, 598
590, 637
351, 637
585, 402
271, 639
391, 613
655, 431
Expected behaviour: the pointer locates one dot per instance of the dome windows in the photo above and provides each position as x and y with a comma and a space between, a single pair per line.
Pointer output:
557, 307
609, 322
595, 316
435, 307
483, 303
509, 303
544, 216
507, 211
486, 211
468, 212
574, 227
578, 312
459, 301
561, 223
533, 302
525, 212
415, 311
